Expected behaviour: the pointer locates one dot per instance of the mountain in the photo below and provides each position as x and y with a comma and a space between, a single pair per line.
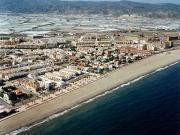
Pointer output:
90, 7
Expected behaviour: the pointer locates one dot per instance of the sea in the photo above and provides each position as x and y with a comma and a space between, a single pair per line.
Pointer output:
149, 105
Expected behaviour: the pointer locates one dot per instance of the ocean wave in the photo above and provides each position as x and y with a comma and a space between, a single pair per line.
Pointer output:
139, 78
18, 131
24, 129
162, 68
165, 67
125, 84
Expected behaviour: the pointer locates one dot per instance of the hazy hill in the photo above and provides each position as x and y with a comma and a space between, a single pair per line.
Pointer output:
90, 7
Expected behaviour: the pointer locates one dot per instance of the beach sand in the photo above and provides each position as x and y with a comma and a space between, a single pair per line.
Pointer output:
111, 80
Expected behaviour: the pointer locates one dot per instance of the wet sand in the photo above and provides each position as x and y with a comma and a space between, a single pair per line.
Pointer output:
111, 80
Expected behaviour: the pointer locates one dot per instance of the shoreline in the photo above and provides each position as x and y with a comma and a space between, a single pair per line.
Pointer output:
63, 112
111, 81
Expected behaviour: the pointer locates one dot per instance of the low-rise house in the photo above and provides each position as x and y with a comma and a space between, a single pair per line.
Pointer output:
13, 95
10, 97
47, 83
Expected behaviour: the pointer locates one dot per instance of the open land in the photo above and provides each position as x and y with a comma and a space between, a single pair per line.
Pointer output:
43, 23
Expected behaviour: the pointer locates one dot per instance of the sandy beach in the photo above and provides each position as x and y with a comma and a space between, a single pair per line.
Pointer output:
111, 80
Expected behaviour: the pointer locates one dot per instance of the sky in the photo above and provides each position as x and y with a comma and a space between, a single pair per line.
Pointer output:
158, 1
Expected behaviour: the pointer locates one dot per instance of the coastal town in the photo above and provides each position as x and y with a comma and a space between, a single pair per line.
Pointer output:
89, 67
35, 69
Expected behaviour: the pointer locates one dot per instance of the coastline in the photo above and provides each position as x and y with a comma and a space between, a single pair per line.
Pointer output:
110, 81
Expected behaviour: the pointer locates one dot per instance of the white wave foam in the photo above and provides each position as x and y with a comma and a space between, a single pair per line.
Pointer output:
160, 69
125, 84
141, 77
23, 129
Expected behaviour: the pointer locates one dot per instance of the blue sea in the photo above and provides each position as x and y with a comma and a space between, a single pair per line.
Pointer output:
149, 106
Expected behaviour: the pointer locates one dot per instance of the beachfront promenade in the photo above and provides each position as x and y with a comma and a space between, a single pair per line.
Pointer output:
111, 80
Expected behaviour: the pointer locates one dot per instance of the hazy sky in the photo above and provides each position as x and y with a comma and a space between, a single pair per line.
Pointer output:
159, 1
